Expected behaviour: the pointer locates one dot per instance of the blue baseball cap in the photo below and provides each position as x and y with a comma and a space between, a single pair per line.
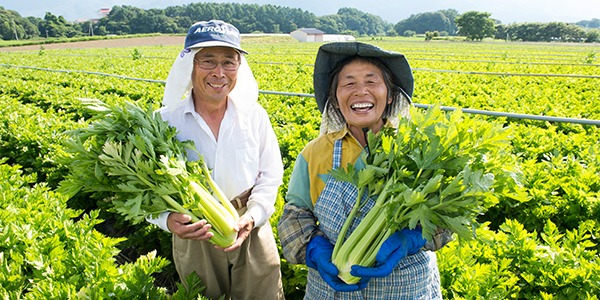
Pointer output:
214, 33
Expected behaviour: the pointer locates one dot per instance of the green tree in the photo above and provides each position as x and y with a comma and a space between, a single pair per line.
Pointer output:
363, 23
475, 25
302, 19
501, 32
442, 20
593, 23
574, 33
331, 24
451, 14
546, 32
430, 35
57, 26
101, 30
351, 32
53, 26
593, 35
409, 33
120, 19
13, 26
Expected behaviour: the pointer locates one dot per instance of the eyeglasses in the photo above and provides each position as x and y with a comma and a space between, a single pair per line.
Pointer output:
209, 64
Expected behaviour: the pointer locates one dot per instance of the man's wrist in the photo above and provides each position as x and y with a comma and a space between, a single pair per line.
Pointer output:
257, 214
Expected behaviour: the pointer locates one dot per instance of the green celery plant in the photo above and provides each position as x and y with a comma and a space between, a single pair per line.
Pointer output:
133, 157
434, 170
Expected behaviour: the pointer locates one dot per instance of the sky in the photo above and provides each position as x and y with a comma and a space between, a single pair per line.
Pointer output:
507, 11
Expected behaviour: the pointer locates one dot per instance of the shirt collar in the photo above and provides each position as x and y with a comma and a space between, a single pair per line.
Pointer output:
341, 134
189, 105
346, 131
190, 109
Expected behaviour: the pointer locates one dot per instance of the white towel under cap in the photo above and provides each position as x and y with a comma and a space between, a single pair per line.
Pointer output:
179, 82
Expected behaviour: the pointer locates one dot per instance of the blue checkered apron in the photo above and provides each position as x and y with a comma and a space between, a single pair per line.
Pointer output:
415, 277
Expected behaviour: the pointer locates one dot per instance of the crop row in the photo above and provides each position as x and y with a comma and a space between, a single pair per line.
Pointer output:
414, 51
543, 247
589, 58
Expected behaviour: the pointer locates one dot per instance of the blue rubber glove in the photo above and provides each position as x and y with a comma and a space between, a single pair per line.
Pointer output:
318, 257
399, 245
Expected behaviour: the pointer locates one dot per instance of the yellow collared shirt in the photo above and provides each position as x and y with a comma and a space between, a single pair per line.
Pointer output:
310, 175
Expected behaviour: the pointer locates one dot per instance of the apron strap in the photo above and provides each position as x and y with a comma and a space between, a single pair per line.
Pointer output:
337, 154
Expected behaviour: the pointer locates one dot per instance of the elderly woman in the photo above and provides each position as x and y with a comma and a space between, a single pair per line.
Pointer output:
358, 87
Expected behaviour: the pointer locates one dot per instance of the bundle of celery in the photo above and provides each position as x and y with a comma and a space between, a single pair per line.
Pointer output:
435, 170
134, 158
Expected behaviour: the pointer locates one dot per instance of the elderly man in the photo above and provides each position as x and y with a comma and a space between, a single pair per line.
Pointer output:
211, 98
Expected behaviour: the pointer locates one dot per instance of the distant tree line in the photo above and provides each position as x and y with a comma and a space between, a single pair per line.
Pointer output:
251, 18
593, 23
248, 18
547, 32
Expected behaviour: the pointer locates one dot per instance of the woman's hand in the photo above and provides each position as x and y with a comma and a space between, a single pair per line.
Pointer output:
179, 224
399, 245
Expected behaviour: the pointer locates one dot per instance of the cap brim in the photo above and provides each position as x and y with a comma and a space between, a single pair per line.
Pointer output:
217, 44
331, 54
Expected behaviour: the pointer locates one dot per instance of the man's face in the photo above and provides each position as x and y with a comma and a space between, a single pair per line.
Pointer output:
217, 83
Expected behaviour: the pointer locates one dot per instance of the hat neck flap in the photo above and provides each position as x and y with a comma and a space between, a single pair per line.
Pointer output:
179, 83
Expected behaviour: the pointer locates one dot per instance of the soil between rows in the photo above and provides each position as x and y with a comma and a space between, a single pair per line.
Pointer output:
166, 40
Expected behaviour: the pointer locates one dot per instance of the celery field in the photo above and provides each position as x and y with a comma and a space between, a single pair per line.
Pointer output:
541, 245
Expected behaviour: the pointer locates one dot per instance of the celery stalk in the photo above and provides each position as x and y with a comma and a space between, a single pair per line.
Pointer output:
142, 168
219, 193
218, 238
217, 215
365, 240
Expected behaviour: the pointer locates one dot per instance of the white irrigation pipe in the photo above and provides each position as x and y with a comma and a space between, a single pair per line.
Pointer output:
463, 72
457, 54
476, 111
445, 108
482, 61
510, 62
85, 72
514, 115
508, 74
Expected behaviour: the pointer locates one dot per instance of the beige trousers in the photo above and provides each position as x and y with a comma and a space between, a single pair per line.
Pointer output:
250, 272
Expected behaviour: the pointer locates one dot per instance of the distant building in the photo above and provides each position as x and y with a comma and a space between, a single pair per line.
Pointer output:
337, 38
316, 35
308, 35
103, 12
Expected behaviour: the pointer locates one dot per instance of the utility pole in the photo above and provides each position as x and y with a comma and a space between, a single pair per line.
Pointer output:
91, 28
15, 29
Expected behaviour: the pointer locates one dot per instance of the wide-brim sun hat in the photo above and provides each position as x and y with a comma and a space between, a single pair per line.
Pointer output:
213, 33
329, 55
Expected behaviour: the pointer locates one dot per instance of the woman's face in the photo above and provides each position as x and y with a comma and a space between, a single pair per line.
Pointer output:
362, 95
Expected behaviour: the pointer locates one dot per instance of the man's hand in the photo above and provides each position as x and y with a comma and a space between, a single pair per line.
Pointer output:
244, 226
178, 223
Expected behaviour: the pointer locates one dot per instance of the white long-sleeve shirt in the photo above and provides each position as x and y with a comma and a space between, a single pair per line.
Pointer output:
245, 155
